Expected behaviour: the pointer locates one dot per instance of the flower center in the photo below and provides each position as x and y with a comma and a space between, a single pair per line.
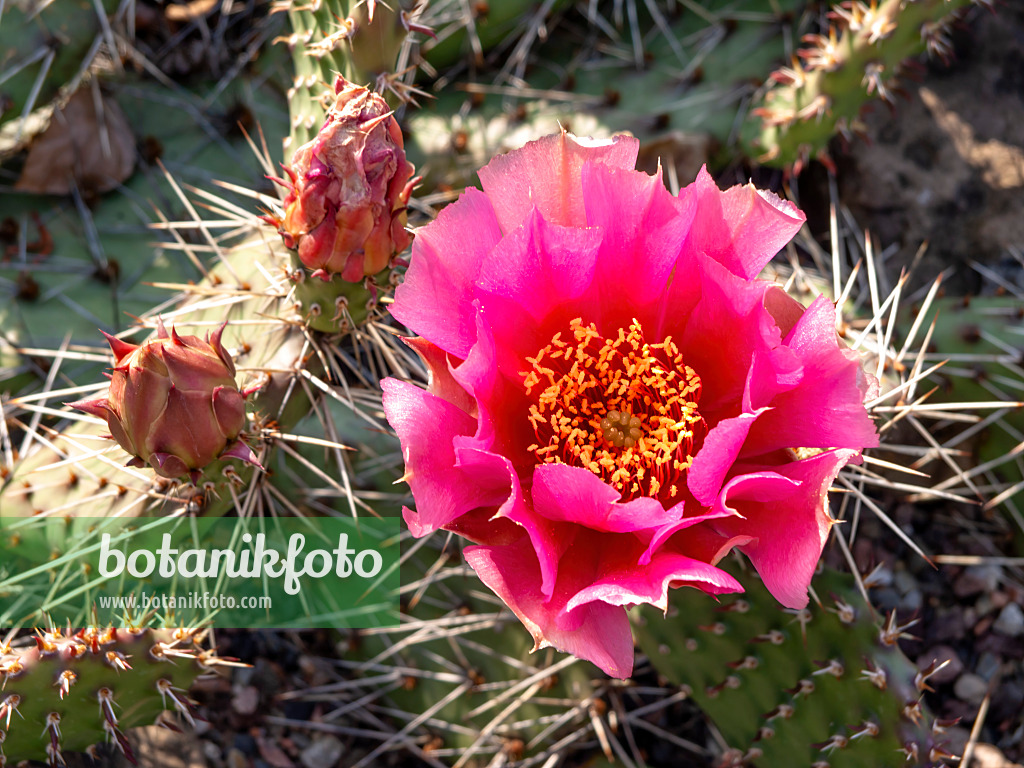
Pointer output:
620, 407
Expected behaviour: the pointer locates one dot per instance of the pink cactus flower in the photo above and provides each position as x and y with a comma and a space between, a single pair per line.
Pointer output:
616, 401
345, 212
173, 403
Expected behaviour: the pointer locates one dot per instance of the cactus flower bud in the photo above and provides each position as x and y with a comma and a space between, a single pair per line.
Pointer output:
173, 403
348, 189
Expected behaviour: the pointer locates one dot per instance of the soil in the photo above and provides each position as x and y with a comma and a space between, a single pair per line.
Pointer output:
947, 166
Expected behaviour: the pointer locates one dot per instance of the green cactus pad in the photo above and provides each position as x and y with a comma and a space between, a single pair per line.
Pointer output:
825, 686
72, 690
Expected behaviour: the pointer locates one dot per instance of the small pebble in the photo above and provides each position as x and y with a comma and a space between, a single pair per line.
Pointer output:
236, 759
912, 601
971, 688
1010, 621
246, 700
983, 605
245, 743
948, 625
211, 751
886, 599
882, 577
988, 664
978, 578
904, 582
324, 752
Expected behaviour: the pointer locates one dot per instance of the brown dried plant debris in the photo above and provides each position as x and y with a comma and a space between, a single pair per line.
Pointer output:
88, 144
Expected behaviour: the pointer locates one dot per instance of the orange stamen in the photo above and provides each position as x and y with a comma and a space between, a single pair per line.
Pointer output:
620, 407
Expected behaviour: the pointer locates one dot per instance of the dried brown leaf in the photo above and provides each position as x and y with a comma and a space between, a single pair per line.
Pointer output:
94, 150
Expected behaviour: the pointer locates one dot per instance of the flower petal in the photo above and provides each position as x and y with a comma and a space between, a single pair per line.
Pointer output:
715, 458
533, 284
600, 632
546, 174
441, 383
495, 397
727, 324
827, 409
644, 229
629, 584
426, 426
577, 495
784, 510
436, 298
743, 227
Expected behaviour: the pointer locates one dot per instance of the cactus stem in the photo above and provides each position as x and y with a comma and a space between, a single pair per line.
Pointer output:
913, 712
114, 734
867, 728
921, 678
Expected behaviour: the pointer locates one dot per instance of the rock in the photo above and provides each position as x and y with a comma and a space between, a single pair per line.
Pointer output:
912, 601
978, 578
971, 688
246, 699
949, 625
324, 752
904, 581
1010, 621
987, 666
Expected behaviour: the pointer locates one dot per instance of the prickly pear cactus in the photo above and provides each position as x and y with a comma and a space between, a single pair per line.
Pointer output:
825, 686
859, 58
73, 689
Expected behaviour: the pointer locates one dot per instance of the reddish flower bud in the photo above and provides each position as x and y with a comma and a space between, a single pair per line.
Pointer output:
173, 403
345, 211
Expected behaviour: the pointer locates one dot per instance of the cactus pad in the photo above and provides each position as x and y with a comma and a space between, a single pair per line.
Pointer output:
825, 686
72, 689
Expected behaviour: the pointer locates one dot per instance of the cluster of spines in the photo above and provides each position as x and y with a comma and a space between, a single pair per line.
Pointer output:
828, 684
863, 55
68, 689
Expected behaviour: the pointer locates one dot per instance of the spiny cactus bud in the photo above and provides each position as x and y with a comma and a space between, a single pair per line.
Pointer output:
72, 689
173, 403
348, 189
